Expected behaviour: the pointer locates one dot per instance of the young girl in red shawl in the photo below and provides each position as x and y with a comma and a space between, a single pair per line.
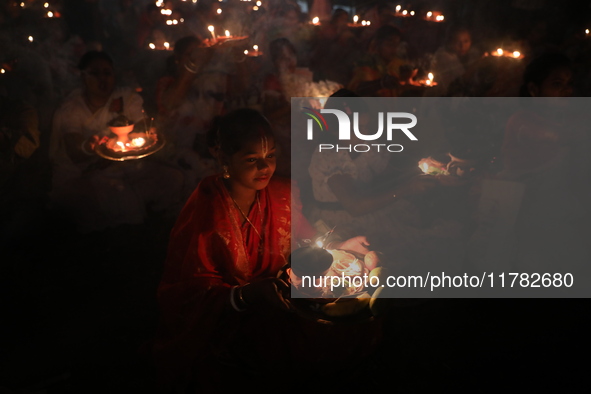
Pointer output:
224, 313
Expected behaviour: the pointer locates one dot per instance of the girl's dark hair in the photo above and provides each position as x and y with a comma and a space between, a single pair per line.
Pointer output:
344, 100
454, 30
182, 44
339, 12
90, 57
231, 132
540, 68
386, 32
277, 44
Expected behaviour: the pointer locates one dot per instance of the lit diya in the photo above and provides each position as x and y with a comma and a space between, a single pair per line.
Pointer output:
255, 52
434, 16
428, 82
333, 283
430, 166
128, 143
500, 52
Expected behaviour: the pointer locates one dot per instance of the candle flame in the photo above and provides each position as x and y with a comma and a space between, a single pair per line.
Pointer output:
363, 23
219, 11
210, 28
398, 8
356, 18
255, 47
227, 33
429, 14
31, 38
169, 22
315, 20
50, 14
2, 71
319, 243
259, 3
246, 51
367, 23
255, 8
499, 51
412, 12
425, 167
516, 54
586, 31
404, 12
152, 46
166, 12
139, 141
166, 45
46, 5
430, 76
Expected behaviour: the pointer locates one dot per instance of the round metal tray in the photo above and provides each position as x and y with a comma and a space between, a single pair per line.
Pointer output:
153, 146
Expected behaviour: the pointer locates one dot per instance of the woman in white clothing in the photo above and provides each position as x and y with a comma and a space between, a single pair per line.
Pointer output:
94, 192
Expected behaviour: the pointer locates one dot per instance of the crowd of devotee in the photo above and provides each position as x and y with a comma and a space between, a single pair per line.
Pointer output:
208, 81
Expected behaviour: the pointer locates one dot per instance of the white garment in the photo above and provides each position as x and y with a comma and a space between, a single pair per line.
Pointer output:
97, 194
74, 116
363, 169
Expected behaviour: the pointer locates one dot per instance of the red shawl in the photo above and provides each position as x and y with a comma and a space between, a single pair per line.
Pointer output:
210, 251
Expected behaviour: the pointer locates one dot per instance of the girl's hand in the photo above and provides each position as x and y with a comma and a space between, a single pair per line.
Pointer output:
269, 292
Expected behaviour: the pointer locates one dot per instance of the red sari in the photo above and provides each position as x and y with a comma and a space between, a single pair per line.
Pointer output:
211, 250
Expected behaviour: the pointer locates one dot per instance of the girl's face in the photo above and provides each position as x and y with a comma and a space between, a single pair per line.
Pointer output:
557, 84
99, 78
461, 43
287, 59
388, 48
253, 166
